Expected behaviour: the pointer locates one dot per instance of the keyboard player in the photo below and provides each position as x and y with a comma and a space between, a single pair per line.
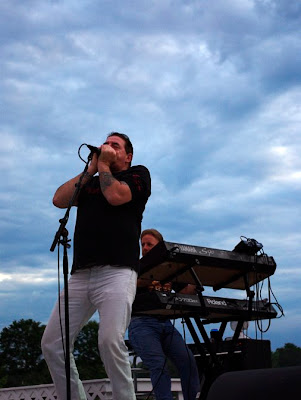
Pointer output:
155, 338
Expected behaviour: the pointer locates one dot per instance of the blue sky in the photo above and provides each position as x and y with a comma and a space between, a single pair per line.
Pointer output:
209, 92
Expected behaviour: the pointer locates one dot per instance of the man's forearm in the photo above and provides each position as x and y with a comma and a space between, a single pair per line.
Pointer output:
116, 192
65, 192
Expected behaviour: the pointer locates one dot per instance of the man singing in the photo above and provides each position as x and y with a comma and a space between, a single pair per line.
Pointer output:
110, 205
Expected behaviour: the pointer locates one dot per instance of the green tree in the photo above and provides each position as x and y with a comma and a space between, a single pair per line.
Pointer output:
21, 361
287, 356
3, 375
86, 353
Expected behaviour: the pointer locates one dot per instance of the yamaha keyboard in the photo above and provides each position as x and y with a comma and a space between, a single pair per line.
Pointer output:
172, 262
215, 309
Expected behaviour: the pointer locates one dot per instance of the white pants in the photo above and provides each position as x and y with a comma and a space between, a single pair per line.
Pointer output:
111, 291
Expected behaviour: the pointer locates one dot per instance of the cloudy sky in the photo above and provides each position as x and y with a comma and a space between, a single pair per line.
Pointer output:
209, 91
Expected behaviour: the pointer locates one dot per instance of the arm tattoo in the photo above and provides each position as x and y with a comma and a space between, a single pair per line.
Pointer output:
106, 179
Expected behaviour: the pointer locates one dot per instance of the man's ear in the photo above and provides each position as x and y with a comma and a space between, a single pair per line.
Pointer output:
129, 157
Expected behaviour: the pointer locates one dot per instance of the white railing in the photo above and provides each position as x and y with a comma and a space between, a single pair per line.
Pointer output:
99, 389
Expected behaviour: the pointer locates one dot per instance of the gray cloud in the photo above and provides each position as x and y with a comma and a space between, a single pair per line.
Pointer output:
209, 93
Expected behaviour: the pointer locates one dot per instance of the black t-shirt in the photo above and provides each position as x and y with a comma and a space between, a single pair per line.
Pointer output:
106, 234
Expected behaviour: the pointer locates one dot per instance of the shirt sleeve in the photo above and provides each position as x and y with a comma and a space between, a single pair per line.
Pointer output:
139, 181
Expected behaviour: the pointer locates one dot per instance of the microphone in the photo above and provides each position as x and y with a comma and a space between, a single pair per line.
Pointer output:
93, 149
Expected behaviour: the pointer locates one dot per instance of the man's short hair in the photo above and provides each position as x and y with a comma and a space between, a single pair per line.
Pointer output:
128, 144
156, 234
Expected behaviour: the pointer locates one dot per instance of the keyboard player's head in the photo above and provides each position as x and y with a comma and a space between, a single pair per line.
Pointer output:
149, 238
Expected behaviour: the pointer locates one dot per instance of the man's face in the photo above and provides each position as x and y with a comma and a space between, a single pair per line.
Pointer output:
122, 158
147, 243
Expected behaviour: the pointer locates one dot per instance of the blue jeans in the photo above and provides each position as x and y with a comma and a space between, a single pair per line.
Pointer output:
153, 340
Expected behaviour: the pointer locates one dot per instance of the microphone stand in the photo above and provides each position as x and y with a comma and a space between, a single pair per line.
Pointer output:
61, 237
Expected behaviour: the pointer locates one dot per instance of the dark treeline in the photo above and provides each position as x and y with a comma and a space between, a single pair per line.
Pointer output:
21, 360
22, 363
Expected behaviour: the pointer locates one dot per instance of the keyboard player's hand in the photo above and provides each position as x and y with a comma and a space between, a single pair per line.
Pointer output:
155, 285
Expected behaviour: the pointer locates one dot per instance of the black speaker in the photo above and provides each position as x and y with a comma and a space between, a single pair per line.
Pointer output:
247, 354
259, 384
242, 355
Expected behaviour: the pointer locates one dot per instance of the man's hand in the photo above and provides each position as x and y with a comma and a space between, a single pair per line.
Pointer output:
107, 155
92, 169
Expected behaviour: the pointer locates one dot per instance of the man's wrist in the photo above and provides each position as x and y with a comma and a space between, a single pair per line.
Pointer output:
103, 165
